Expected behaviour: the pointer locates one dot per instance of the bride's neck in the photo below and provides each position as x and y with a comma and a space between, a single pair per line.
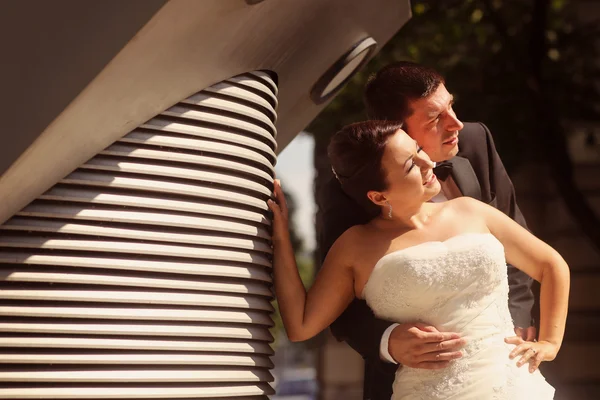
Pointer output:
414, 218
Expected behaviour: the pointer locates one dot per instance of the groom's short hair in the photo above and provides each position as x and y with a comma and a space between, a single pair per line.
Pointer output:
388, 92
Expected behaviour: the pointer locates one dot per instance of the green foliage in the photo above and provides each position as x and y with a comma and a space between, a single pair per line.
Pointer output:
483, 50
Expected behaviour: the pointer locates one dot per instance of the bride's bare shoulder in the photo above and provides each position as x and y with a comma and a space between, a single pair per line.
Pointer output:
465, 204
353, 234
350, 241
467, 207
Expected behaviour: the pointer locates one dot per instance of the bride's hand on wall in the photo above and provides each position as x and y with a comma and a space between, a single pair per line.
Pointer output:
280, 214
532, 352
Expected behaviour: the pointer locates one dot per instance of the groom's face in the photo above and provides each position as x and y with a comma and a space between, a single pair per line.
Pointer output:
434, 125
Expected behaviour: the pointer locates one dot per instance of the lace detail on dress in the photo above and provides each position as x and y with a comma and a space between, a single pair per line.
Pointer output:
459, 285
429, 280
436, 384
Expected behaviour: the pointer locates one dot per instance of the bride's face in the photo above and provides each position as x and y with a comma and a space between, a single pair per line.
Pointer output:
409, 173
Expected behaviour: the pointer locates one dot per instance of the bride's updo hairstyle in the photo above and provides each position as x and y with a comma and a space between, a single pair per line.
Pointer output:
355, 154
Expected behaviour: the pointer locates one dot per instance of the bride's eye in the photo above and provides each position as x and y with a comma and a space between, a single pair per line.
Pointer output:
412, 164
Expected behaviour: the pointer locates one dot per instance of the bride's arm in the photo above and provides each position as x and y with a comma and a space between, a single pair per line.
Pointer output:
304, 314
544, 264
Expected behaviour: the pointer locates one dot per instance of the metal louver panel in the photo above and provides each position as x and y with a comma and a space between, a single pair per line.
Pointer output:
145, 273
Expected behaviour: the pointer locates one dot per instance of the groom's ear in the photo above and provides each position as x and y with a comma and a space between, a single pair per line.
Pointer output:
376, 197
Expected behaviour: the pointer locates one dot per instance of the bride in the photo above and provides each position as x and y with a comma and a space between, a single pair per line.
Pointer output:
440, 263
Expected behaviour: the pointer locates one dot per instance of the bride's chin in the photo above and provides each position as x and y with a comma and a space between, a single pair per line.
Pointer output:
433, 191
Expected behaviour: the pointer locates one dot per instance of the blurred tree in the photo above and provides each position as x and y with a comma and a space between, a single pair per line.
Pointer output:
526, 68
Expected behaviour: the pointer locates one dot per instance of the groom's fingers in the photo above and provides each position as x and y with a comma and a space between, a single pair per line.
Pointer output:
516, 340
436, 337
411, 344
447, 345
426, 328
439, 356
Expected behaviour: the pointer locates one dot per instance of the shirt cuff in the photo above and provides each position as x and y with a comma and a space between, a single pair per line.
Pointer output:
384, 353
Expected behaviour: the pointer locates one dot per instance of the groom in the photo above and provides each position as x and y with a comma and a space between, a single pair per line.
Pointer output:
468, 165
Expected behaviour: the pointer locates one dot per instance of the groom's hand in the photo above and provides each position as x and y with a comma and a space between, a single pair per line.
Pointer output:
418, 345
527, 334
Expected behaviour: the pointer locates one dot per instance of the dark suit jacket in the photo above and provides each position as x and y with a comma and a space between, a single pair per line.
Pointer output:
479, 173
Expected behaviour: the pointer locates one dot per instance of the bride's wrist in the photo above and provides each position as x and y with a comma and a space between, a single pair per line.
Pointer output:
554, 347
554, 342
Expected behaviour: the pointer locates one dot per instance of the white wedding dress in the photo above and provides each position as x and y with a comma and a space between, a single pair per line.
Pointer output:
459, 285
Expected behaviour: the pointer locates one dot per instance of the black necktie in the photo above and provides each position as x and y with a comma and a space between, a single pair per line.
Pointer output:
443, 170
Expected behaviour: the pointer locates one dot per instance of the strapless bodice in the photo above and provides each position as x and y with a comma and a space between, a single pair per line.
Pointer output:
458, 285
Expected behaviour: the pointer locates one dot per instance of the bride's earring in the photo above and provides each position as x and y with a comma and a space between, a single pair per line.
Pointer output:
389, 209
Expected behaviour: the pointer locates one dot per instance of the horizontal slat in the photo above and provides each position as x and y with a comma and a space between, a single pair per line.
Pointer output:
95, 196
265, 78
138, 392
143, 218
219, 126
249, 82
199, 145
228, 105
106, 180
50, 226
191, 330
137, 358
140, 297
151, 249
149, 314
112, 164
230, 90
196, 268
143, 375
184, 282
198, 160
109, 343
216, 124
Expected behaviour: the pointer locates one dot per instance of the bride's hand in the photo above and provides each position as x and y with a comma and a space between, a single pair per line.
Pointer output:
280, 213
532, 352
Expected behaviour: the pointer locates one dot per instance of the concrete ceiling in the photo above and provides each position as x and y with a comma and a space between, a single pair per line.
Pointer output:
78, 75
51, 50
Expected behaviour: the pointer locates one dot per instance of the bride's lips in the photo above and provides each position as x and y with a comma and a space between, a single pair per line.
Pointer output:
432, 178
452, 141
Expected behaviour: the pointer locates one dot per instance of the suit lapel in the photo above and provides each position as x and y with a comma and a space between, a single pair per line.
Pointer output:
465, 178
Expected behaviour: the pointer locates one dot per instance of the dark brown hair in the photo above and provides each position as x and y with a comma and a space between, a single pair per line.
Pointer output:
388, 93
355, 154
